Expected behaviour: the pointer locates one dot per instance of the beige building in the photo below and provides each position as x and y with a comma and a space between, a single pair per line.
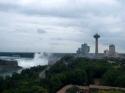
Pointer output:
111, 52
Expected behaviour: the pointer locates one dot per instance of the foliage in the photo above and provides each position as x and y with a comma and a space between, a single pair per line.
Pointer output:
68, 70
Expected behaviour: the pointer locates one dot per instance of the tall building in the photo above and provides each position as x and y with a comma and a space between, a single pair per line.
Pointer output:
112, 52
96, 36
79, 50
84, 50
106, 53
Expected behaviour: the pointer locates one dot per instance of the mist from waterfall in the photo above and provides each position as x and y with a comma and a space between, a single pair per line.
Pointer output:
39, 59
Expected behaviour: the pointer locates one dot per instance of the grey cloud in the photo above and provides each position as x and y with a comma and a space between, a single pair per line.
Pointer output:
63, 27
41, 31
72, 10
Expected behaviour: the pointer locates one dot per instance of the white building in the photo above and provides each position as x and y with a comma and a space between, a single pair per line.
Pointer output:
111, 52
106, 53
84, 50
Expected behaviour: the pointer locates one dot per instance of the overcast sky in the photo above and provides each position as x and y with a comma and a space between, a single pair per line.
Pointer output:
61, 25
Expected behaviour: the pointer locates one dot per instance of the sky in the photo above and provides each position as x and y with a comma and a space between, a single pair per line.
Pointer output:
61, 25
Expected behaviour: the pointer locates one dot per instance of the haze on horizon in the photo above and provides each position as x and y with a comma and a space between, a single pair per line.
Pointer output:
61, 25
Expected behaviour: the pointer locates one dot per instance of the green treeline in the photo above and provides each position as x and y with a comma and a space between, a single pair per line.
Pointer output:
68, 70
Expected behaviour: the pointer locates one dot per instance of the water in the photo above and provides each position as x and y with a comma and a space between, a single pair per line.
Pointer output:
39, 59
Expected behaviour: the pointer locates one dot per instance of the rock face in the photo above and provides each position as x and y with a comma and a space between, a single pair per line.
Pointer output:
8, 65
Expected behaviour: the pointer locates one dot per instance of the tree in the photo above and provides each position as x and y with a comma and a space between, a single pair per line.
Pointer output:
120, 81
110, 77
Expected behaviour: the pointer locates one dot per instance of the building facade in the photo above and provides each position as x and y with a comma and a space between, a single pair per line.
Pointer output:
112, 52
84, 50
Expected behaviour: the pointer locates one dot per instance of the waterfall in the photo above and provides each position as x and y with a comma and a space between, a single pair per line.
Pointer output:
39, 59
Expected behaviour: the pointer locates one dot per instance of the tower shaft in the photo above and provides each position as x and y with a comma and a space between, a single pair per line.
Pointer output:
96, 46
96, 36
